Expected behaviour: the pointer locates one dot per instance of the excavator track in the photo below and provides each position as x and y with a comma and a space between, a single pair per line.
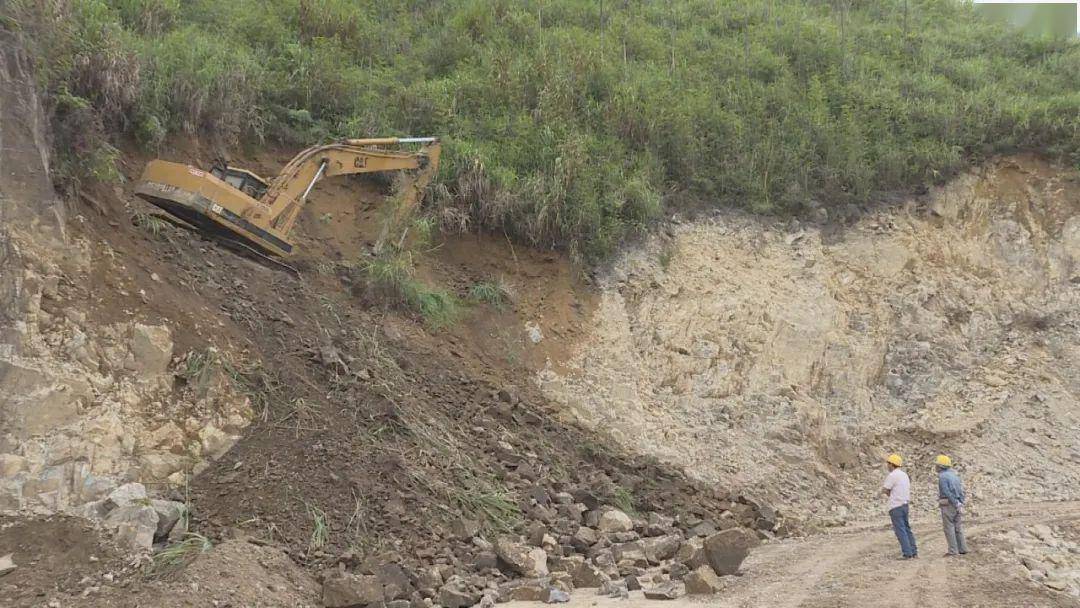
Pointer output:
229, 241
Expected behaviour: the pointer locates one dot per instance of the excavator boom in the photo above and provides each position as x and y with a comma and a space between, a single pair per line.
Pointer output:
241, 204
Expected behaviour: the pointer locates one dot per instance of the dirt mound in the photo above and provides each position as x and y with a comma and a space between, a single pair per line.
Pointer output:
64, 561
788, 359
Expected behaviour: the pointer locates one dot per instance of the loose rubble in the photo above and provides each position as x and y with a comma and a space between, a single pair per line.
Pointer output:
1049, 555
653, 553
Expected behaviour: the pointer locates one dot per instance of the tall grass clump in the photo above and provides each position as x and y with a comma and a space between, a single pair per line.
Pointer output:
573, 123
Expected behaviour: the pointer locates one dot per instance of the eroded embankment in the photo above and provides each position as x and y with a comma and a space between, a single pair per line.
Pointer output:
786, 359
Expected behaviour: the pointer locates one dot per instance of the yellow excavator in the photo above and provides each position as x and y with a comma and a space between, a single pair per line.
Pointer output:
248, 209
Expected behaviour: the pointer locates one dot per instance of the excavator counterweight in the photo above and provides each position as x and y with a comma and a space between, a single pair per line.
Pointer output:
244, 206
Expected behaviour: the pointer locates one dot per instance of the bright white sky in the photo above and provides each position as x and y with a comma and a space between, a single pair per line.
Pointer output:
1035, 2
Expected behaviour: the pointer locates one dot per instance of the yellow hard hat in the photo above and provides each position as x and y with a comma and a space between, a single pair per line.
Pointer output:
943, 461
895, 460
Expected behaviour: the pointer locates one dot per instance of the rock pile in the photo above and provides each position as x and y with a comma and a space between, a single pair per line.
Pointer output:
576, 547
137, 520
1048, 555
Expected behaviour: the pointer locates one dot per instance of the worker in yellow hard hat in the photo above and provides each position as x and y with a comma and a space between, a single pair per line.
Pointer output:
951, 501
897, 487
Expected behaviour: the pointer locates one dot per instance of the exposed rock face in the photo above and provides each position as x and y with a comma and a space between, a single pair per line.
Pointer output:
771, 357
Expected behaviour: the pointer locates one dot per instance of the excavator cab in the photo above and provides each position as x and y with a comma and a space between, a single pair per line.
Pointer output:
241, 179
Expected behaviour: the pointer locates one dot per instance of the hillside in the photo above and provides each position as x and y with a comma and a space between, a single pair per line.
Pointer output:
689, 271
570, 123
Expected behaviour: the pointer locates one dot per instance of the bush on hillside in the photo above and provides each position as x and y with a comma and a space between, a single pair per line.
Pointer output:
567, 121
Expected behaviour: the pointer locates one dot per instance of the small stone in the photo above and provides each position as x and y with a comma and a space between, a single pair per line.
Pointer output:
557, 596
7, 564
1057, 584
615, 589
668, 591
703, 581
615, 521
632, 582
704, 529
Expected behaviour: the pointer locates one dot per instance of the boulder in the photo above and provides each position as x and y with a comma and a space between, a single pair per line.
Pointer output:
633, 583
615, 521
523, 590
660, 548
703, 529
128, 495
584, 538
135, 526
345, 590
157, 467
667, 591
169, 512
151, 348
726, 550
464, 528
522, 559
570, 563
692, 553
396, 581
485, 560
659, 525
632, 552
589, 575
702, 581
94, 511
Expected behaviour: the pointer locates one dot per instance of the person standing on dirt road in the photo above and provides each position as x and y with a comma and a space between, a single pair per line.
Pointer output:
897, 487
951, 500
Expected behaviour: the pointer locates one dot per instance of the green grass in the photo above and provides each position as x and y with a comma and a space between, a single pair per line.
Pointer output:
623, 499
320, 530
573, 123
178, 555
151, 223
392, 273
494, 292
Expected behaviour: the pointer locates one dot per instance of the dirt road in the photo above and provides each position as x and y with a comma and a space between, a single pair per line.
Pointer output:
859, 567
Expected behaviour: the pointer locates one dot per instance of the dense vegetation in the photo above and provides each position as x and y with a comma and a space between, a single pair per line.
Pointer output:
568, 122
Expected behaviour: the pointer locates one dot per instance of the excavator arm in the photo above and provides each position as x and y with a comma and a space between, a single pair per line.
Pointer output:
288, 192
